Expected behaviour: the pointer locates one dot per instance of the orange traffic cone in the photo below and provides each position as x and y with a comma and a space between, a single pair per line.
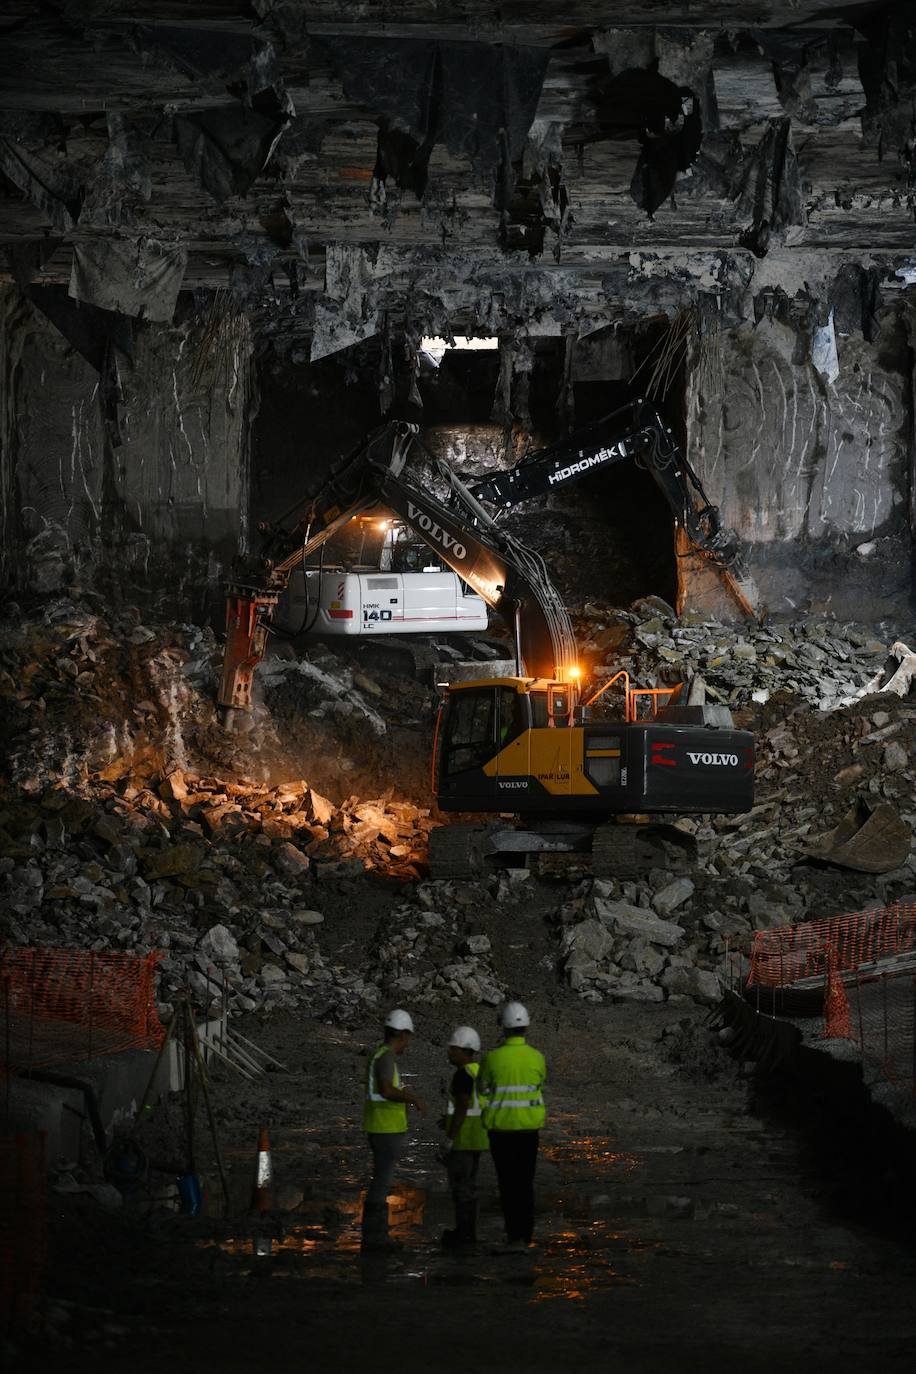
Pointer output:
262, 1197
836, 1004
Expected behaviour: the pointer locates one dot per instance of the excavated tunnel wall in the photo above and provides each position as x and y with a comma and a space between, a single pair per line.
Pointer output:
814, 475
138, 488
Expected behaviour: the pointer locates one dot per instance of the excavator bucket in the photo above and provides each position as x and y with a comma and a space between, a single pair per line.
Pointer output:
870, 838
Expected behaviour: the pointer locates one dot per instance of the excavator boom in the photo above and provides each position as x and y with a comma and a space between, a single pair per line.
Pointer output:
635, 433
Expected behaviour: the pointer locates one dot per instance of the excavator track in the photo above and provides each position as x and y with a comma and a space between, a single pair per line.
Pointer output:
626, 851
457, 851
616, 852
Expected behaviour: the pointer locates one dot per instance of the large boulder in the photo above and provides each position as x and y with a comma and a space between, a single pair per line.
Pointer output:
634, 921
699, 983
673, 895
642, 958
587, 943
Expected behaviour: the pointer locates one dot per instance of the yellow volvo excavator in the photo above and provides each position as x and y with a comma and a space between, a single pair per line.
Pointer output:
532, 746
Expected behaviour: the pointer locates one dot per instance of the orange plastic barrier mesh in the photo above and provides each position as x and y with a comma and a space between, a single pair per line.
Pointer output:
23, 1226
65, 1004
791, 953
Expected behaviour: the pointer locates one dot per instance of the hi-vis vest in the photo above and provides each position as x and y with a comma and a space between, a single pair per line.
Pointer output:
381, 1117
511, 1082
473, 1134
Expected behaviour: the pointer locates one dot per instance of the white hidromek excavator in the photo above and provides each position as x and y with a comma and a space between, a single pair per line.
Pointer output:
397, 606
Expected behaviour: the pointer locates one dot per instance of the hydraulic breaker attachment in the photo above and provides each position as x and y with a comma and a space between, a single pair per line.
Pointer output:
248, 612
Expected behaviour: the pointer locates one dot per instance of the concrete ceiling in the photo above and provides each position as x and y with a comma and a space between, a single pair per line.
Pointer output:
220, 145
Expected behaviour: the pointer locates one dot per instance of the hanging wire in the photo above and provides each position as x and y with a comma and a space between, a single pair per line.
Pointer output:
217, 339
666, 358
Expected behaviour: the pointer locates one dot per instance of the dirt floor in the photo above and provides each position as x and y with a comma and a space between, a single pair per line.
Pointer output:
681, 1223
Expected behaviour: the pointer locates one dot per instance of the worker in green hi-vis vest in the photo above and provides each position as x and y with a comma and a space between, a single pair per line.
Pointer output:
467, 1138
385, 1124
511, 1088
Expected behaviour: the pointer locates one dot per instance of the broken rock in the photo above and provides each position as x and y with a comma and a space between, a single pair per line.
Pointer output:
701, 984
586, 943
632, 921
219, 945
673, 895
290, 860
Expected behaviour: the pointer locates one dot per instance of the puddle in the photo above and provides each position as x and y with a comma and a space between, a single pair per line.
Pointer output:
579, 1255
329, 1231
574, 1264
597, 1153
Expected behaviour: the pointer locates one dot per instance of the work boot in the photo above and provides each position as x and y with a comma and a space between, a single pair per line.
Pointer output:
510, 1247
380, 1245
375, 1228
467, 1222
465, 1229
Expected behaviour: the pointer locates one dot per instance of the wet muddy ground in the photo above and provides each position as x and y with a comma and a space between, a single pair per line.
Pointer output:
678, 1229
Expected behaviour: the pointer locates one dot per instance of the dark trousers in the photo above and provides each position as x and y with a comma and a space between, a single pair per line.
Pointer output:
387, 1149
515, 1155
461, 1167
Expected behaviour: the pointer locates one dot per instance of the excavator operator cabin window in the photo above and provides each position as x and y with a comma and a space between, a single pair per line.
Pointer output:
511, 716
538, 710
471, 740
559, 706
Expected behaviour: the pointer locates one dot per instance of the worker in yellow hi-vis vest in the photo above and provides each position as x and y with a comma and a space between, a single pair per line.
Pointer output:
466, 1135
511, 1083
385, 1123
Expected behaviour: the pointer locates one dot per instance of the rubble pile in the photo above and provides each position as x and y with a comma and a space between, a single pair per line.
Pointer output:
613, 947
820, 661
165, 866
667, 935
87, 696
129, 820
435, 949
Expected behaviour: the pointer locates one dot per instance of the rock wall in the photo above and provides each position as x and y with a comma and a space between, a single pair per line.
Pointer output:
133, 480
813, 474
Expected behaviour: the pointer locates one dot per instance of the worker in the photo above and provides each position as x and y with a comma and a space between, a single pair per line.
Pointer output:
510, 1086
385, 1123
465, 1134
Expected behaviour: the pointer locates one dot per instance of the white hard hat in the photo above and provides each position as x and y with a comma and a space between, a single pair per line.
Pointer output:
513, 1015
399, 1020
465, 1038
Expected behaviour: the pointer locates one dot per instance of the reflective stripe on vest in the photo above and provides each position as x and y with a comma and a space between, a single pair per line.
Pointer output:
381, 1117
512, 1078
472, 1134
531, 1095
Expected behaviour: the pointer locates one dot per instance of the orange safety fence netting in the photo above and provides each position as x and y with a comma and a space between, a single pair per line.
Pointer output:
791, 953
60, 1004
23, 1225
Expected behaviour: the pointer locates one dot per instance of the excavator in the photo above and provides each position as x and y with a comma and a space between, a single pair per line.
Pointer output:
537, 746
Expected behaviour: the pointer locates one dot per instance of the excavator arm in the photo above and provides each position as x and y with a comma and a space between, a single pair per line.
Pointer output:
510, 578
635, 433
